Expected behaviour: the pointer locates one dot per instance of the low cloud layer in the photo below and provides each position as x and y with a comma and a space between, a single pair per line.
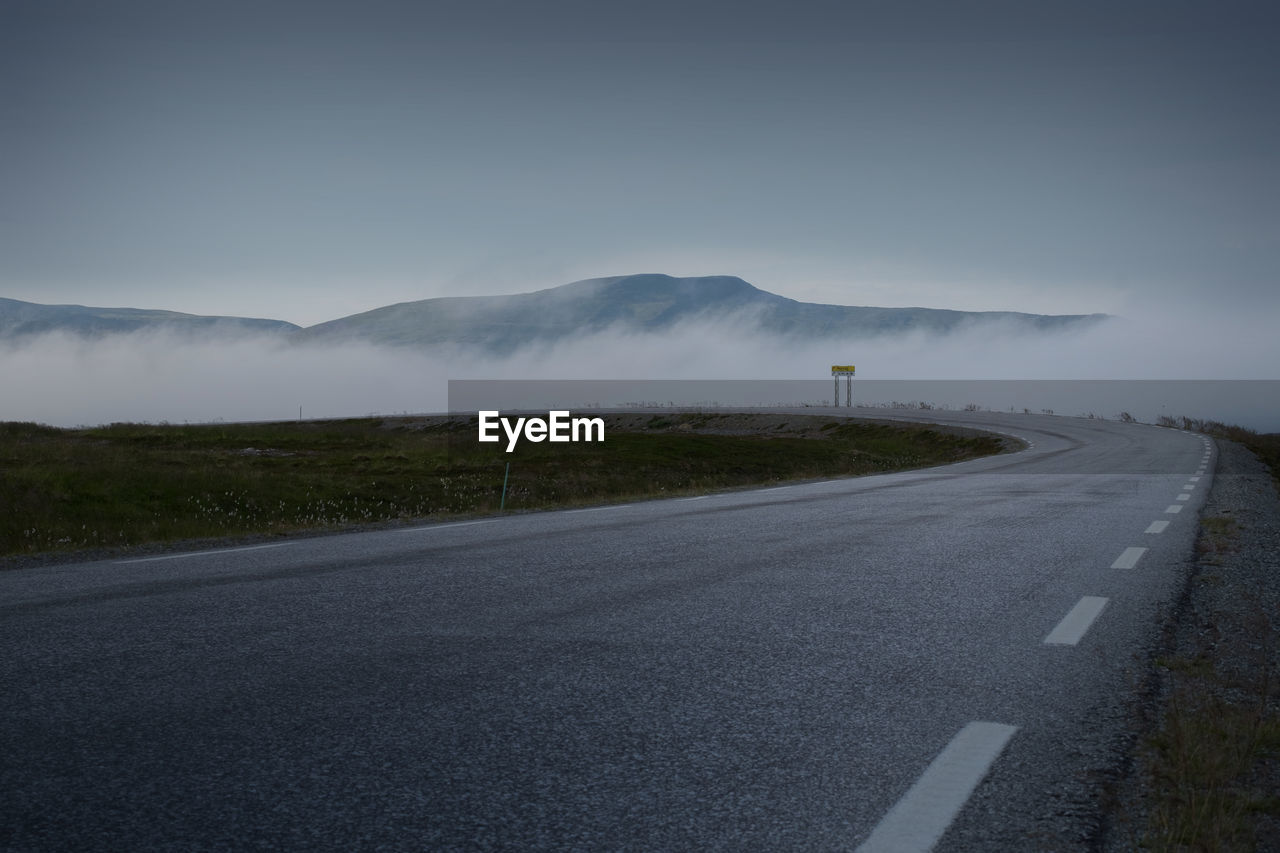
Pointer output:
67, 381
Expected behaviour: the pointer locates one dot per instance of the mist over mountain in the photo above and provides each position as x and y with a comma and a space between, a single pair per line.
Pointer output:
638, 304
26, 319
500, 325
69, 365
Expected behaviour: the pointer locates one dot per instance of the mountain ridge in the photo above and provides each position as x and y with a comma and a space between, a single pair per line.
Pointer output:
642, 303
649, 302
20, 319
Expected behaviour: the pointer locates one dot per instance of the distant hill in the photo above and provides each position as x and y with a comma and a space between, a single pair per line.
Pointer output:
503, 324
643, 303
23, 319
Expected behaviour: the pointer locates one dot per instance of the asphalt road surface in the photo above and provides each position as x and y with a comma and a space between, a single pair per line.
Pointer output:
945, 656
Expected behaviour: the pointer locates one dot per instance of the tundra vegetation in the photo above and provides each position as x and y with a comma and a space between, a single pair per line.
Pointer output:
130, 484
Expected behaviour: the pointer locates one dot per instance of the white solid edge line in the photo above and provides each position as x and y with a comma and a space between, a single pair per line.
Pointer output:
597, 508
1128, 558
1077, 621
698, 498
919, 819
204, 553
445, 526
1157, 527
1173, 508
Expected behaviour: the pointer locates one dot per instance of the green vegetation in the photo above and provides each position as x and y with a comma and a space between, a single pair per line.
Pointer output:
1208, 796
127, 484
1267, 448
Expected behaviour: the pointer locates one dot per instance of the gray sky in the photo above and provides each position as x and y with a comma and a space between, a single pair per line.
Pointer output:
309, 160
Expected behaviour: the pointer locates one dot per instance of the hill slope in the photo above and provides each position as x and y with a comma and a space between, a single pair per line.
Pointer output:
23, 319
502, 324
641, 303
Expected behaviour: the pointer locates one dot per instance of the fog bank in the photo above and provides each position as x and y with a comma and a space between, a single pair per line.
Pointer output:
67, 381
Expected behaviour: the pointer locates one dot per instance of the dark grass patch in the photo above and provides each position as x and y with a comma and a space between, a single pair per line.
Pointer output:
1206, 758
127, 484
1267, 448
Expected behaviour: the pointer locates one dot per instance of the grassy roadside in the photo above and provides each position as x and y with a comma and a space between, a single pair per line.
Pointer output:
1213, 765
128, 484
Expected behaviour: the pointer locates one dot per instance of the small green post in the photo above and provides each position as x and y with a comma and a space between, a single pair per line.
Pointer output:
502, 505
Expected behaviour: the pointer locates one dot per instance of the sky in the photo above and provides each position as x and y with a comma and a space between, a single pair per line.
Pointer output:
305, 161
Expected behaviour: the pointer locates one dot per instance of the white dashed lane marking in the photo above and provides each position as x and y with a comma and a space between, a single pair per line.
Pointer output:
1128, 558
925, 811
1157, 527
1174, 508
1077, 621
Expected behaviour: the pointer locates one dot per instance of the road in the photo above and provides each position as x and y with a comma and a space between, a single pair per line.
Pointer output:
947, 655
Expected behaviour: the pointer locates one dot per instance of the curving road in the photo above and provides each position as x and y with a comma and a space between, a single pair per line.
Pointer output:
947, 655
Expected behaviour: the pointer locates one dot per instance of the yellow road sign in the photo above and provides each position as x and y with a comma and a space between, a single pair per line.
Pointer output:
842, 368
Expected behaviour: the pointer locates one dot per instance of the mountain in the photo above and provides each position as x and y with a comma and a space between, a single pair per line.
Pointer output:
643, 303
23, 319
503, 324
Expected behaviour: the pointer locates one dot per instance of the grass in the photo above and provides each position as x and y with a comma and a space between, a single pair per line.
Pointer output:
1208, 760
1210, 746
1267, 448
128, 484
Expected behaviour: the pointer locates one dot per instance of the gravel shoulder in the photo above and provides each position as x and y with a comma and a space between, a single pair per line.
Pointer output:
1213, 682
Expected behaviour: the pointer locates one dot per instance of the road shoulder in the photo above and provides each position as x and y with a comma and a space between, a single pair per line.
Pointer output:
1200, 775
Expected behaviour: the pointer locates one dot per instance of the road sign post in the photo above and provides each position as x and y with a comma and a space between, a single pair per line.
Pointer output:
845, 370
